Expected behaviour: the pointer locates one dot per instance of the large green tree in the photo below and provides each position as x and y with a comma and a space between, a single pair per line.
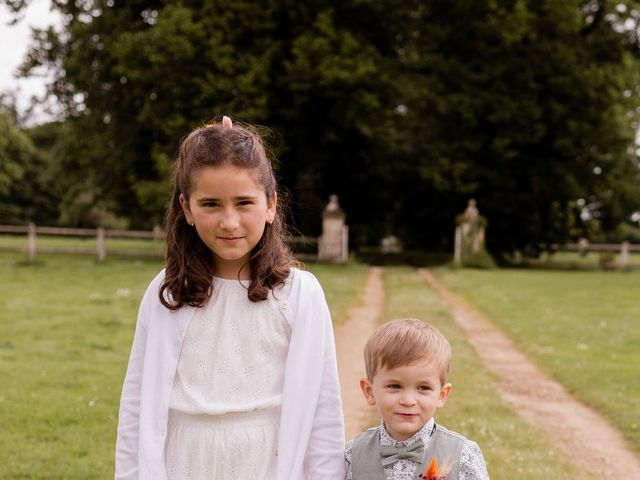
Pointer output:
527, 106
405, 109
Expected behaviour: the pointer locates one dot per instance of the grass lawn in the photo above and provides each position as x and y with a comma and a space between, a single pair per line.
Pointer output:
581, 327
342, 285
67, 325
513, 449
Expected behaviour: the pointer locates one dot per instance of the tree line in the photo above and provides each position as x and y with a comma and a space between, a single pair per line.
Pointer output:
404, 109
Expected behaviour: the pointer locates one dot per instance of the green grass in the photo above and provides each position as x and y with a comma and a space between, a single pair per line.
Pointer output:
342, 285
513, 449
67, 325
581, 327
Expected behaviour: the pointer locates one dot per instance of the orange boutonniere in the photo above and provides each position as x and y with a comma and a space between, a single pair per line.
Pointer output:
435, 472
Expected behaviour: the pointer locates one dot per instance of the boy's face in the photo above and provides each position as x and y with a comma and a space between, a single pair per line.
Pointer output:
406, 397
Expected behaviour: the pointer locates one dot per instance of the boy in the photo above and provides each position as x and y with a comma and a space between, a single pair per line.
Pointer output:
407, 363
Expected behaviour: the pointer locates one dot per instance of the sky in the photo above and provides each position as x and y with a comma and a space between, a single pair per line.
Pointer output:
14, 42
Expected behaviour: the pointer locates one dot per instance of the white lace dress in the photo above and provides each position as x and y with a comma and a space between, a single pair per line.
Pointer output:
225, 402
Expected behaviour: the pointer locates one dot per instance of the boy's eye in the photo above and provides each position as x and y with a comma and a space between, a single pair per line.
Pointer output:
393, 386
424, 387
245, 202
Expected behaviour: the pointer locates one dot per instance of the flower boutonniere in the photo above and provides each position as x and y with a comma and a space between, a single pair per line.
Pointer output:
435, 472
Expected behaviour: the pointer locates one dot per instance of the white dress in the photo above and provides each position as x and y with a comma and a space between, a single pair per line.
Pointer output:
225, 402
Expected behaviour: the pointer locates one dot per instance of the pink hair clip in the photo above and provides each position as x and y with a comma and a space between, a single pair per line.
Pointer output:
226, 122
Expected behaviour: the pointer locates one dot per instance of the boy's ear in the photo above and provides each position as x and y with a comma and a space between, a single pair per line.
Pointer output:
184, 203
445, 391
367, 390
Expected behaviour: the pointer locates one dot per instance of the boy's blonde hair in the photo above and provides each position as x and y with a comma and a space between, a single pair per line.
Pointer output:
403, 342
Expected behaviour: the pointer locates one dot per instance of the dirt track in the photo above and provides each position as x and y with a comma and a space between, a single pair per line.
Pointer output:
350, 339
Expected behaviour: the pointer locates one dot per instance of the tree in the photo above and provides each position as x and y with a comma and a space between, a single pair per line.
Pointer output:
527, 107
405, 109
23, 194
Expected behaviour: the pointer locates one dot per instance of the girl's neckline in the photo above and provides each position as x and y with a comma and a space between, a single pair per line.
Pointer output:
235, 280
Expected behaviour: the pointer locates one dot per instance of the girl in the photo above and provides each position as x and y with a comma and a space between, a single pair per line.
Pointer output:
232, 372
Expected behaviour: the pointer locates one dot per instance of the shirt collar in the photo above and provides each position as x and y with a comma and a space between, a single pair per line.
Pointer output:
424, 433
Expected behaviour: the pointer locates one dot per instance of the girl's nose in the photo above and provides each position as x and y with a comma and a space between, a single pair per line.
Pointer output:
229, 220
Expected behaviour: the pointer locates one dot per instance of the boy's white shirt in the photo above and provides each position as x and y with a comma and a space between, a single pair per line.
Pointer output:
311, 432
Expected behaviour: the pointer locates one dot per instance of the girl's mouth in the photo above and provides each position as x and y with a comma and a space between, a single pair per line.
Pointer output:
230, 239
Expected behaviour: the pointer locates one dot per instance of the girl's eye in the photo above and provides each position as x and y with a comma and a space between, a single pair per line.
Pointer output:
393, 386
424, 387
210, 204
245, 202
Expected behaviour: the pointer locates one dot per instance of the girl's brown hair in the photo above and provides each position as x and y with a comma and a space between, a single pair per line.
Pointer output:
189, 270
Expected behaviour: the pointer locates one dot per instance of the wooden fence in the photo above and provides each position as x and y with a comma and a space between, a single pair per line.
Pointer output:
100, 249
623, 249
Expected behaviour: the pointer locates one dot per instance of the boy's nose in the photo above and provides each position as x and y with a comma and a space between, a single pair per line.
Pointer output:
408, 398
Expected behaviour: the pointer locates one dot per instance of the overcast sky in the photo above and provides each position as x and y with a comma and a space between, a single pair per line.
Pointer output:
14, 41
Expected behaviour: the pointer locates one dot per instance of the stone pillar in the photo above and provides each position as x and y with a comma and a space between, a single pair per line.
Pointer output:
457, 253
332, 243
469, 240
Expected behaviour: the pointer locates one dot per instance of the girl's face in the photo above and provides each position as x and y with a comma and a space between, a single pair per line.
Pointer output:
229, 210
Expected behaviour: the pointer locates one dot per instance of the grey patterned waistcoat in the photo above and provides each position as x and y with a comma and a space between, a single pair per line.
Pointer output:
366, 461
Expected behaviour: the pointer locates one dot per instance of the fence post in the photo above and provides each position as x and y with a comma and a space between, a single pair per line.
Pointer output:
157, 233
102, 253
31, 241
624, 254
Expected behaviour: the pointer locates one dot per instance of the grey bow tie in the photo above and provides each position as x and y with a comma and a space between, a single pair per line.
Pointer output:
392, 454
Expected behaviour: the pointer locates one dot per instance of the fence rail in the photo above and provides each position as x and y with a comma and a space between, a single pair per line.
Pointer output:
155, 234
623, 249
597, 247
32, 248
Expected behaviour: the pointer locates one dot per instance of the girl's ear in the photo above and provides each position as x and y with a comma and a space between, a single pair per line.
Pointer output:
184, 203
445, 391
272, 205
367, 390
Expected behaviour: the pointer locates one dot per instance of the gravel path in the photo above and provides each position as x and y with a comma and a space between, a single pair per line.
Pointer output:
351, 337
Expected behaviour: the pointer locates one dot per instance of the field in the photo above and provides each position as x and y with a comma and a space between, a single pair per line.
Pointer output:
67, 324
